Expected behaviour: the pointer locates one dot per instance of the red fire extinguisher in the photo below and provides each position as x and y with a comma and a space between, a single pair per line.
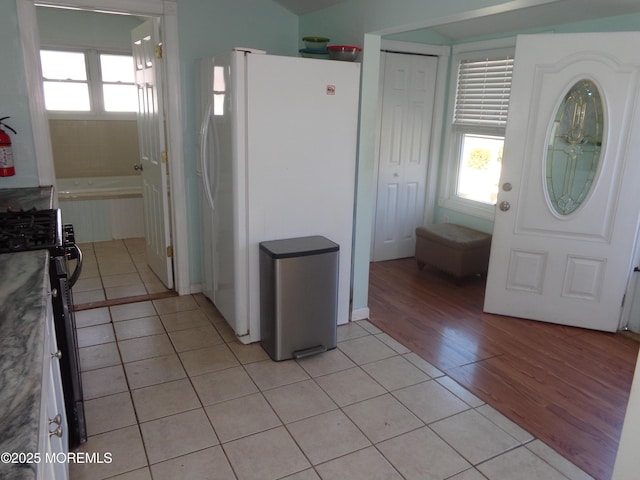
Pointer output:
6, 155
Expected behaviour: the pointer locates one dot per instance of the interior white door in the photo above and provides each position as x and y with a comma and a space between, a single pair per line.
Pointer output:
405, 136
153, 161
567, 266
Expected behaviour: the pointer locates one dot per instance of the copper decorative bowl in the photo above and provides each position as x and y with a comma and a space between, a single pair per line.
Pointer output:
346, 53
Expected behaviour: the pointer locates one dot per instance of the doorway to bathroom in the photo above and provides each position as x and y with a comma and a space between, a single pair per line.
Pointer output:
103, 135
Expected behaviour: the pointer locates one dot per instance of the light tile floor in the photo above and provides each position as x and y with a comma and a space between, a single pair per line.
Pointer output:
171, 394
115, 269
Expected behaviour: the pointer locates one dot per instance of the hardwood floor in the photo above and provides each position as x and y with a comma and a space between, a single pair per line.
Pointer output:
567, 386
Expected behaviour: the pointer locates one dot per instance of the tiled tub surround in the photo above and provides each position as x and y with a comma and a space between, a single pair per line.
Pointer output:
171, 394
94, 148
94, 206
24, 287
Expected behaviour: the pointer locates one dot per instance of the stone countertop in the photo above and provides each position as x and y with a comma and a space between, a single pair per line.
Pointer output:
24, 289
40, 198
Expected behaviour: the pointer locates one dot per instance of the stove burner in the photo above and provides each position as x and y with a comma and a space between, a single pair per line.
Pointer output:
28, 230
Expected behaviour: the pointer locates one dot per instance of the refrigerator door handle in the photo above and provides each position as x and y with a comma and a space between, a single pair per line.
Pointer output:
204, 135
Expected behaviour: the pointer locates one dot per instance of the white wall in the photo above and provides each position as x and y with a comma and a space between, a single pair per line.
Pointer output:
59, 27
14, 100
363, 22
209, 27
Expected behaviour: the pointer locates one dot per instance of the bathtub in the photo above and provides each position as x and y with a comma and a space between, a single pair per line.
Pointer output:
102, 208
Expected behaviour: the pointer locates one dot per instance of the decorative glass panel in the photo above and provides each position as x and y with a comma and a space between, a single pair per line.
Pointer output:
574, 149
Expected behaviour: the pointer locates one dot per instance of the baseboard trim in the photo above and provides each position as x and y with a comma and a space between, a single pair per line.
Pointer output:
360, 314
121, 301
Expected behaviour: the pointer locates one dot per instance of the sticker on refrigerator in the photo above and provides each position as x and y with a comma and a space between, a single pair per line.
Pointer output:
331, 89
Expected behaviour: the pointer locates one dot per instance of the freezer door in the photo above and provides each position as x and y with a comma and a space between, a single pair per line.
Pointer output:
218, 153
225, 157
205, 85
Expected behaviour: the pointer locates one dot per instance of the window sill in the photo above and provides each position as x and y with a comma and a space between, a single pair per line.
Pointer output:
469, 207
54, 115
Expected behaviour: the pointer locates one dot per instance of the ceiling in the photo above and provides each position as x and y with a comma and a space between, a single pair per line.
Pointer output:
502, 18
536, 17
301, 7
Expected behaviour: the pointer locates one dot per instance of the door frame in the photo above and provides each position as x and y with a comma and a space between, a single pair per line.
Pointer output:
166, 10
630, 316
437, 125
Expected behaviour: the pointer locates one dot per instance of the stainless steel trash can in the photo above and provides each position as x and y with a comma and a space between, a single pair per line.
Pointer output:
298, 296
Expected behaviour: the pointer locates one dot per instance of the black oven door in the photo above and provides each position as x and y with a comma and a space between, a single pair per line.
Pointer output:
66, 336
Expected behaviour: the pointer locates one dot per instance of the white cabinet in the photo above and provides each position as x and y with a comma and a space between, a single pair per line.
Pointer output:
53, 441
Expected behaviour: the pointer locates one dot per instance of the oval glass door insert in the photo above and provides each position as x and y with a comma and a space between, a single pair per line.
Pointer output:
574, 149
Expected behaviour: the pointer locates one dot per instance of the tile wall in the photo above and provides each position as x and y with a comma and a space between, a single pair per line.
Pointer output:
94, 148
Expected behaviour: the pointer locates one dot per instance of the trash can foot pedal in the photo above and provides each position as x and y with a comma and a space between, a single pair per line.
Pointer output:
307, 352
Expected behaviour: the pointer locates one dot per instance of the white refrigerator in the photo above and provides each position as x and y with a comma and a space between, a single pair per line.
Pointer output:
277, 160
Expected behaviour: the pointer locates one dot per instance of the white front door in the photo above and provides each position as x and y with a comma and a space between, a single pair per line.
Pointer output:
568, 209
153, 160
405, 137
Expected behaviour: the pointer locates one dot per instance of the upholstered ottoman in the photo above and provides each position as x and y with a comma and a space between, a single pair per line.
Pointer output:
458, 250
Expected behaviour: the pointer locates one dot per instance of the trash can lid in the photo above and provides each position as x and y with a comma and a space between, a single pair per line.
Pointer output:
299, 247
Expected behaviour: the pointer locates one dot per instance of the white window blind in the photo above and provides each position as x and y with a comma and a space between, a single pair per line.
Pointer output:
483, 90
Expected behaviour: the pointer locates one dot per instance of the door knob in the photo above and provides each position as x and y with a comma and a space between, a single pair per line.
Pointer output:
137, 167
504, 206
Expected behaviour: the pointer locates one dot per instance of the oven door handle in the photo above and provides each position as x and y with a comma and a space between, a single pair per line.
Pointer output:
76, 273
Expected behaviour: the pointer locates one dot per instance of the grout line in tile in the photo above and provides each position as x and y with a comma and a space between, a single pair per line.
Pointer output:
314, 379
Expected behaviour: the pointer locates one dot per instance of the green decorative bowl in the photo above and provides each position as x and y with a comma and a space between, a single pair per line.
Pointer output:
315, 43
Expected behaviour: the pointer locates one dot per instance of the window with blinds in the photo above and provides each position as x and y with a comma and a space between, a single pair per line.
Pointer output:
482, 91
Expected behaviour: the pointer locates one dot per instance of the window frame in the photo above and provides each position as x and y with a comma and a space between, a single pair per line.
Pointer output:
102, 82
454, 133
95, 83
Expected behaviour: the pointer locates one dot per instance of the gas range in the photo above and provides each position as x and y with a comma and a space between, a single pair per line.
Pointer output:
34, 229
30, 230
22, 230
